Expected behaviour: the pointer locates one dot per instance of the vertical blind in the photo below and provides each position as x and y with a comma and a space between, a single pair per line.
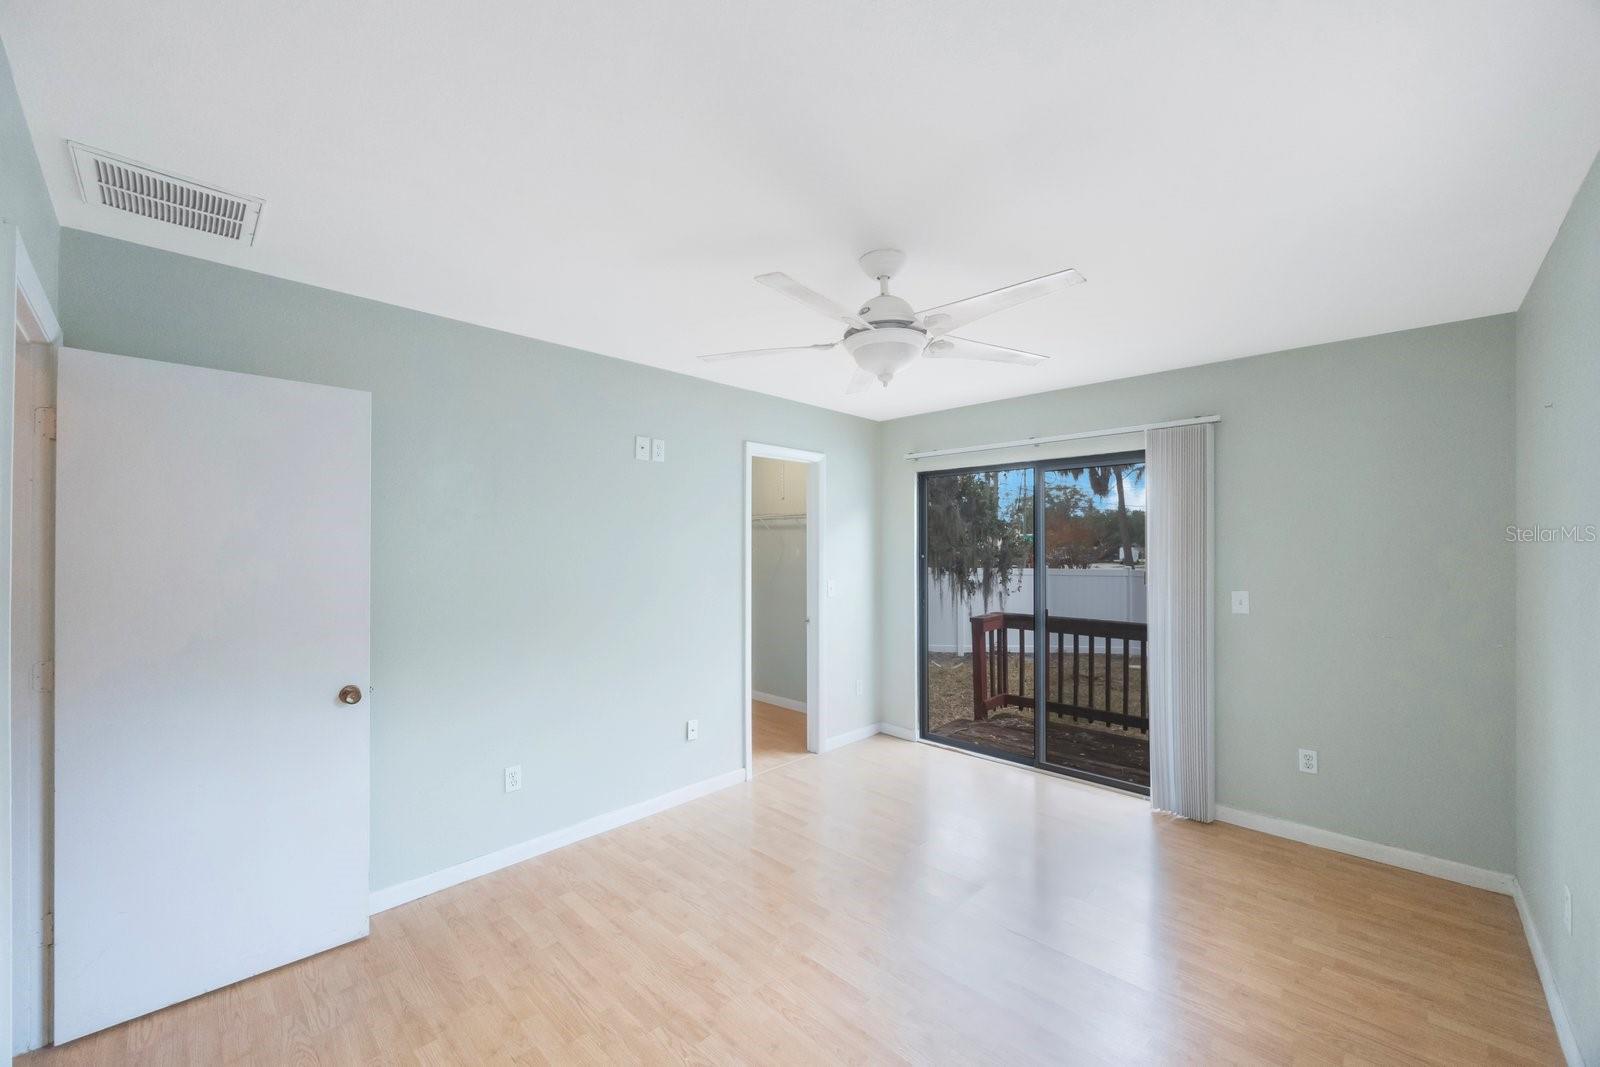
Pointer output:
1178, 518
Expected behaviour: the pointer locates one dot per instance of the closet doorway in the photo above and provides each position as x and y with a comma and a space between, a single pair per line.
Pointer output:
782, 604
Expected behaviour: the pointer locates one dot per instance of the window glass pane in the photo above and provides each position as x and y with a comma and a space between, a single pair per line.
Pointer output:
1094, 654
978, 569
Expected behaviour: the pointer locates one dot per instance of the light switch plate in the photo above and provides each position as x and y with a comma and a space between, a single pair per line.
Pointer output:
658, 450
1241, 602
641, 449
833, 587
691, 730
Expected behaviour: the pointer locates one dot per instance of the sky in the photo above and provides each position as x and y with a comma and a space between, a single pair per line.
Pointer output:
1017, 484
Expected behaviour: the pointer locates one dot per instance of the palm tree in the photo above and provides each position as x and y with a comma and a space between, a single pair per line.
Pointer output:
1100, 481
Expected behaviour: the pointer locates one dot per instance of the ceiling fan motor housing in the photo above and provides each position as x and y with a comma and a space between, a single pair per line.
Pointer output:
885, 349
889, 310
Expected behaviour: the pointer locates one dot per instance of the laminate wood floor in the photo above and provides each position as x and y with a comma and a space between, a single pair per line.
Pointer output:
777, 735
892, 902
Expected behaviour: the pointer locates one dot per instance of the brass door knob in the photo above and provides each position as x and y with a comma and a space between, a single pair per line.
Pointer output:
350, 694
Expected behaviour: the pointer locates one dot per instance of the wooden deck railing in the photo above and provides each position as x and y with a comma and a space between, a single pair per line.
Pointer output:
1078, 677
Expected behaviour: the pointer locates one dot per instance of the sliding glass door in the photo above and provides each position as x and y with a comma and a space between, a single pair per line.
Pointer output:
1033, 615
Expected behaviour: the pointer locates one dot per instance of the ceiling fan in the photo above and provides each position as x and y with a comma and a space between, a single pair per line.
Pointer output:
885, 334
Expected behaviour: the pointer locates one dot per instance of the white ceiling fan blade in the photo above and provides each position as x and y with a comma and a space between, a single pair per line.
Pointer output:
947, 317
718, 357
811, 299
966, 348
860, 382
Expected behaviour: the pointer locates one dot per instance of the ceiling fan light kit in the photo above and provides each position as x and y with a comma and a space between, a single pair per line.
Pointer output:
883, 350
886, 334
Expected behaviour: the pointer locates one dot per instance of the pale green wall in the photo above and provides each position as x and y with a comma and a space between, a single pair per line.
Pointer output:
539, 597
778, 581
1363, 490
25, 208
24, 200
1558, 609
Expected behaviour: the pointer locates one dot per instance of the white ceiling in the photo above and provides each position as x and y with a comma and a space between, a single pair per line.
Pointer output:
1234, 176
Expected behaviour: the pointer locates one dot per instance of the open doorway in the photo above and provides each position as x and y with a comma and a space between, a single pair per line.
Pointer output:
783, 537
778, 619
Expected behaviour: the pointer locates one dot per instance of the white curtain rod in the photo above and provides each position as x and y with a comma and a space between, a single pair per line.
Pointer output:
1053, 438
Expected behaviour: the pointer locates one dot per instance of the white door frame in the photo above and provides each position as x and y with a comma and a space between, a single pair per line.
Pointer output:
816, 704
26, 833
35, 317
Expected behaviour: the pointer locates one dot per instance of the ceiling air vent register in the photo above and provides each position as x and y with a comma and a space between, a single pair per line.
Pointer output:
124, 185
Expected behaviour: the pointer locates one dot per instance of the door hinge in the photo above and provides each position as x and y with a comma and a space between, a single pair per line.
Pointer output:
49, 928
44, 677
44, 421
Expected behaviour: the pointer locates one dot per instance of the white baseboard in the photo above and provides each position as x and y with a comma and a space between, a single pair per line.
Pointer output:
395, 895
1547, 978
782, 702
849, 737
1450, 870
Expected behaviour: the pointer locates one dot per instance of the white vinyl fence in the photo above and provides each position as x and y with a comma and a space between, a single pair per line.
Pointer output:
1114, 593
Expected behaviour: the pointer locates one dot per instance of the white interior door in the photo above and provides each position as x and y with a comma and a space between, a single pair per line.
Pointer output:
212, 599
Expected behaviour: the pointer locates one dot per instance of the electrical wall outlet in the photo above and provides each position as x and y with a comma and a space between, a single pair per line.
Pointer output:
691, 730
1566, 908
513, 778
861, 687
658, 450
1241, 602
641, 449
1308, 761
